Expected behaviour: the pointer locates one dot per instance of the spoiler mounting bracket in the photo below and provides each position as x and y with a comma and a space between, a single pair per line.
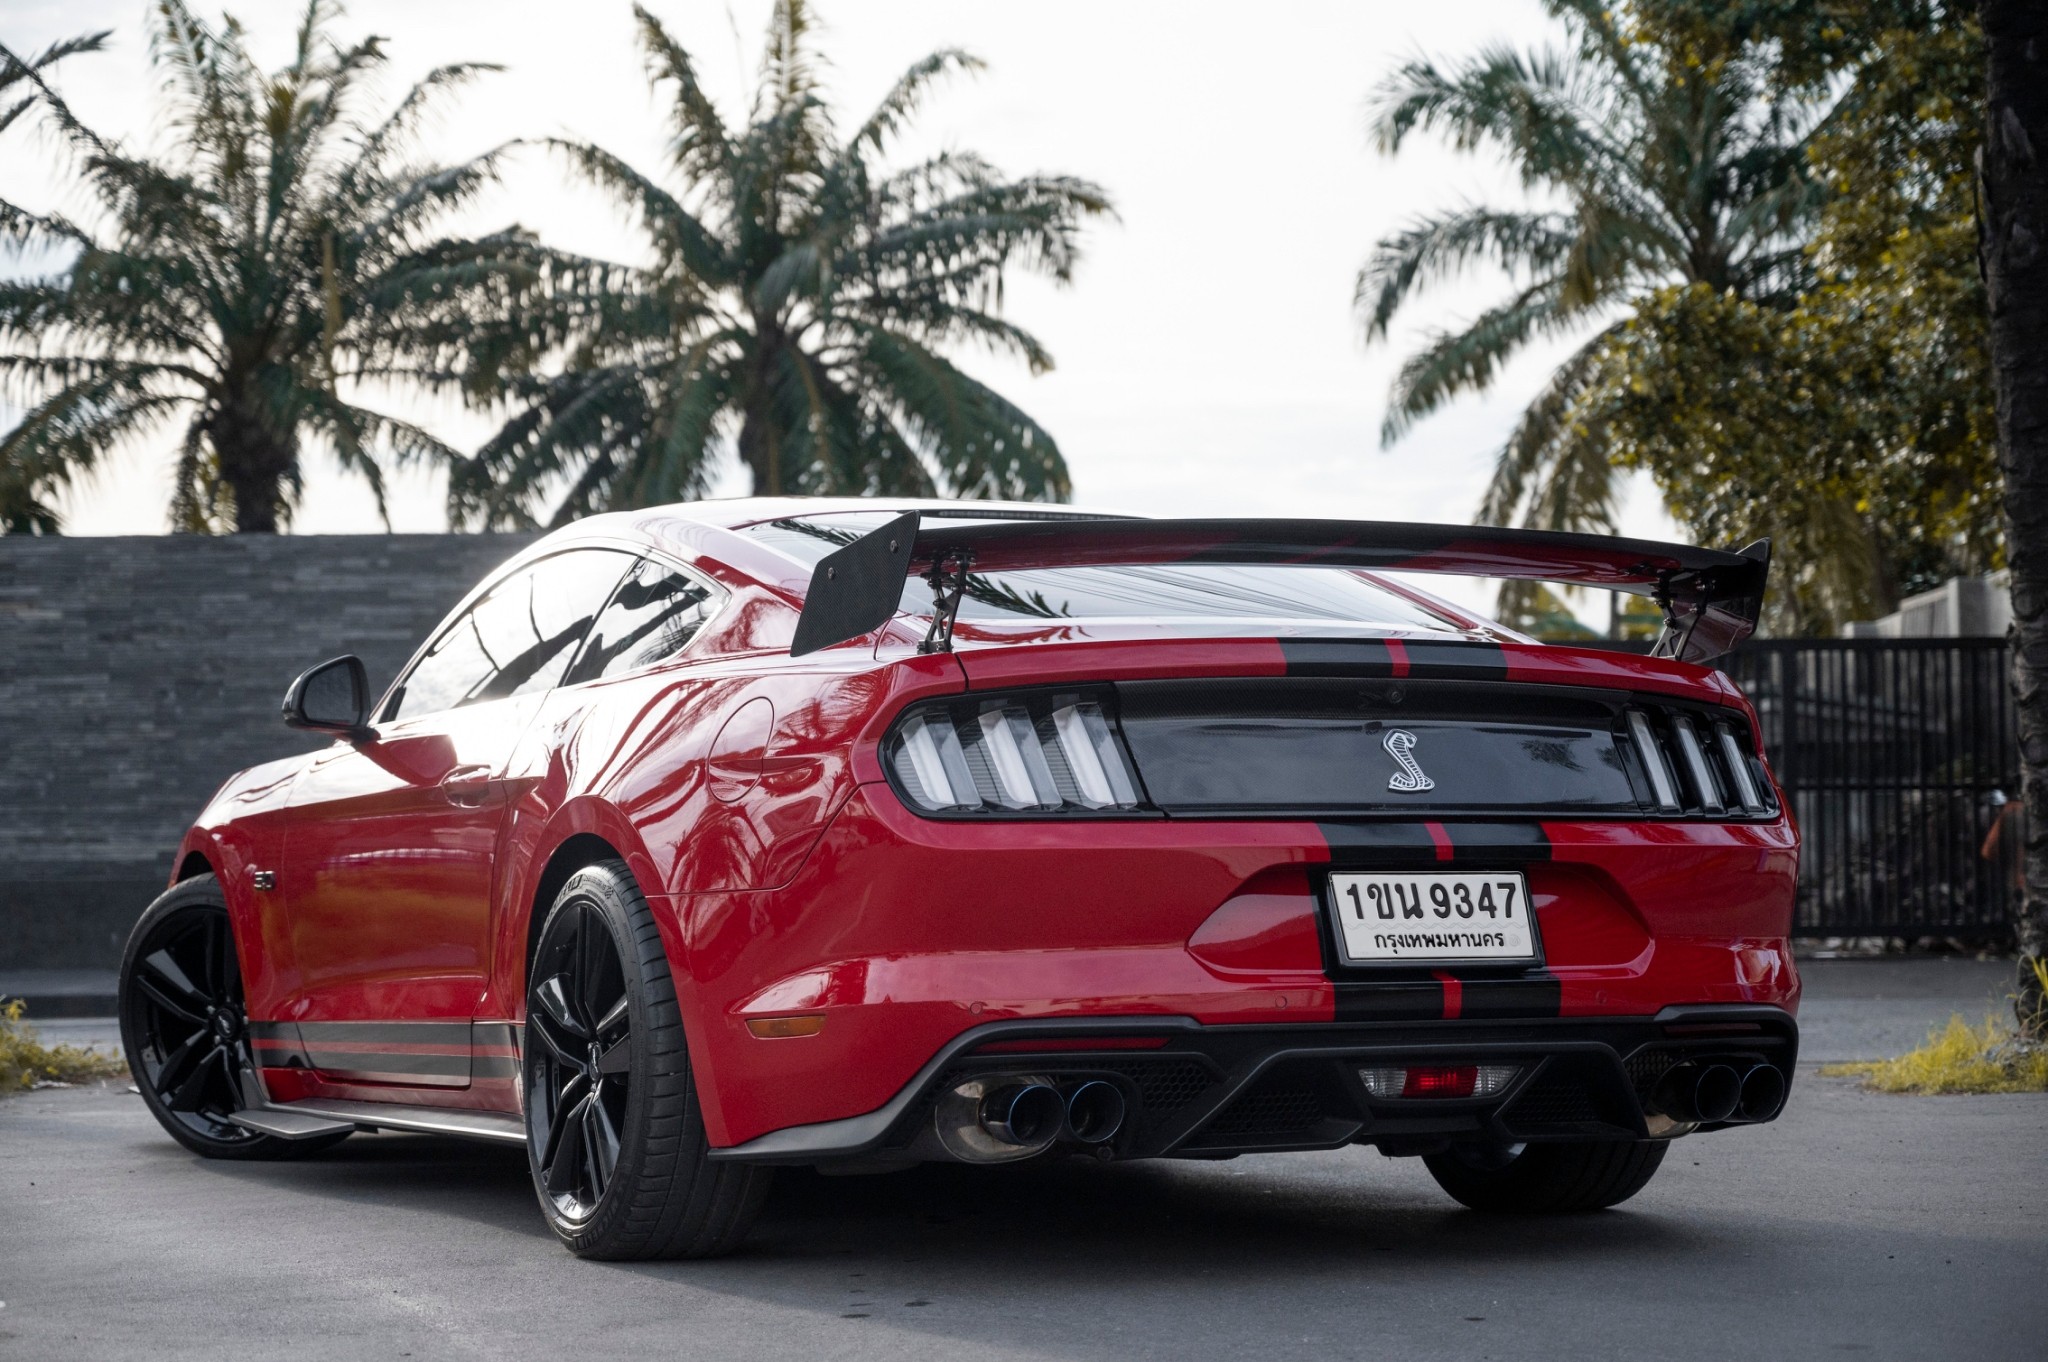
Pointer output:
947, 577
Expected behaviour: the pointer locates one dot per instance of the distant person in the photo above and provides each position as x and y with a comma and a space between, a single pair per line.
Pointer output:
2006, 843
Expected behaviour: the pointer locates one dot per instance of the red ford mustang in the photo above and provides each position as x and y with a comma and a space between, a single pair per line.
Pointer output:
852, 834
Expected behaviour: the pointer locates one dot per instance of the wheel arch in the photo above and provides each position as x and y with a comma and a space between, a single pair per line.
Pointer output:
578, 850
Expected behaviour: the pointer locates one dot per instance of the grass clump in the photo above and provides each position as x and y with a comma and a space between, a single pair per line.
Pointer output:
27, 1063
1958, 1059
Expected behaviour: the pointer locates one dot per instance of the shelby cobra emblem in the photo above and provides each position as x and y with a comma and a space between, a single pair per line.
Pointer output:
1400, 745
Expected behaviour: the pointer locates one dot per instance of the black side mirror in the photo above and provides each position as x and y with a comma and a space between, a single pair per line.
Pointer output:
333, 697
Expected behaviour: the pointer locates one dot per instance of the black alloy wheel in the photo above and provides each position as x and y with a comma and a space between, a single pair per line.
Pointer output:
580, 1037
184, 1028
615, 1137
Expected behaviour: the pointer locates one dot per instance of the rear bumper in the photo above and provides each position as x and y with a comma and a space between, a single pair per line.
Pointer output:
904, 934
1216, 1091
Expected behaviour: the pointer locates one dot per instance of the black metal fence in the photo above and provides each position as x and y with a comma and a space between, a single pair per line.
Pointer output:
1894, 753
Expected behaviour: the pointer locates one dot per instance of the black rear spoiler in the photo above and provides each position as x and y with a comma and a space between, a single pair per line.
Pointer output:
1711, 599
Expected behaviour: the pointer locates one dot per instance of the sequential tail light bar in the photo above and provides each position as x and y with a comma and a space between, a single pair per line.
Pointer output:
1697, 764
1048, 752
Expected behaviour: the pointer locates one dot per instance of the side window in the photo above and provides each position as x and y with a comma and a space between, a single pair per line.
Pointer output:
517, 640
654, 615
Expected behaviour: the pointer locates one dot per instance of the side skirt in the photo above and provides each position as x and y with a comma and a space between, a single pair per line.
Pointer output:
324, 1116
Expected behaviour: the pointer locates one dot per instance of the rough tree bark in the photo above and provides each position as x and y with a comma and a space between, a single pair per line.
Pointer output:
2013, 246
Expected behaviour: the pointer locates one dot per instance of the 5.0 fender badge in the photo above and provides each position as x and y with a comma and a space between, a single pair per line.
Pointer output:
1400, 745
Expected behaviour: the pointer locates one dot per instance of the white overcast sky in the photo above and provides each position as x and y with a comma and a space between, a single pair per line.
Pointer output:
1209, 361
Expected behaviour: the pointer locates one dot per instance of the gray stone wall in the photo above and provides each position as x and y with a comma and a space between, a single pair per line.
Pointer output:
136, 673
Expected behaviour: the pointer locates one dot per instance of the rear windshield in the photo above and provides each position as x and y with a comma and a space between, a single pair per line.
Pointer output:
1150, 591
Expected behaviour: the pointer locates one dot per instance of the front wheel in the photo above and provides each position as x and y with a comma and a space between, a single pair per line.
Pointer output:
184, 1029
1548, 1179
614, 1135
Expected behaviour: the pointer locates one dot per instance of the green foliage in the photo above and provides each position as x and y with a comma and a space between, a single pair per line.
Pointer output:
1667, 163
25, 1061
800, 295
289, 250
1832, 391
1855, 426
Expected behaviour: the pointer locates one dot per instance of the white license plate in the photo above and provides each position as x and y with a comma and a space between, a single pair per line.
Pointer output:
1393, 918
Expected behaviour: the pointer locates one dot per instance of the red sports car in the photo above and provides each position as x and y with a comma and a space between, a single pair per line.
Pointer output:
856, 834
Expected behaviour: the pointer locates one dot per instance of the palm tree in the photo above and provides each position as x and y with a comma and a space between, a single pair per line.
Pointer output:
21, 87
798, 298
289, 255
1667, 164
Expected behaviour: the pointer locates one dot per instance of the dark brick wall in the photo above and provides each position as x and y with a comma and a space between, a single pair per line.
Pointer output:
137, 673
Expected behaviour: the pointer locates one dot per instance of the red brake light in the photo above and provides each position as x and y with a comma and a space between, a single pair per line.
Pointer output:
1441, 1080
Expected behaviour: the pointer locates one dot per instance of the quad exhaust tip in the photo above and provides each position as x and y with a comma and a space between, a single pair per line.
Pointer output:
1703, 1093
1028, 1114
1095, 1112
1763, 1093
1713, 1092
1005, 1117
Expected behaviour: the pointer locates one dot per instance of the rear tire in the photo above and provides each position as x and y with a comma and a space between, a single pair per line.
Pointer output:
184, 1029
1548, 1179
614, 1133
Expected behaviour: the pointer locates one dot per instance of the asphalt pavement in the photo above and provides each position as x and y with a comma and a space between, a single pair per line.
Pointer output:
1887, 1227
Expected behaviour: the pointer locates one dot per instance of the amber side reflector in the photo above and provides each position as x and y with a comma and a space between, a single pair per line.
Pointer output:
1018, 1047
781, 1028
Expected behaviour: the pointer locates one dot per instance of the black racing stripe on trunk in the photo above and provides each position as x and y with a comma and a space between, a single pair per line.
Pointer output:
1403, 1000
389, 1065
1411, 845
453, 1035
1373, 846
1497, 842
1463, 661
1337, 657
1466, 661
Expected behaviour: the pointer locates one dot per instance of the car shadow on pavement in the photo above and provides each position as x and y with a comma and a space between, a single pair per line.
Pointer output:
1131, 1220
1122, 1217
487, 1183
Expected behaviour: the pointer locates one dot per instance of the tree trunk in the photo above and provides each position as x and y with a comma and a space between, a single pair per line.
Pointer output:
254, 464
760, 442
2013, 247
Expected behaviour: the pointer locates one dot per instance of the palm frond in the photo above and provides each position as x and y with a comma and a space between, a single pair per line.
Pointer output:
1454, 362
701, 148
1439, 246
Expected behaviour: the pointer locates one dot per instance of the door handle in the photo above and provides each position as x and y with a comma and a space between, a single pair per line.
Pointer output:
466, 787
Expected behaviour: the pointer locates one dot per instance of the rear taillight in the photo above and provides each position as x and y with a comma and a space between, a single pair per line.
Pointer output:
1438, 1080
1046, 752
1696, 763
